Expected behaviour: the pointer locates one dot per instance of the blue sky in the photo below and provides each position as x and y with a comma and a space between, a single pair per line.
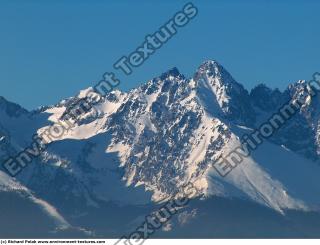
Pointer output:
49, 50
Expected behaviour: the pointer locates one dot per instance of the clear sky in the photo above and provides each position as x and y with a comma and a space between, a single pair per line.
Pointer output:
49, 50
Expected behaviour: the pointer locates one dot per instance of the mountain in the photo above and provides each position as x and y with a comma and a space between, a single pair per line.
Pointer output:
134, 150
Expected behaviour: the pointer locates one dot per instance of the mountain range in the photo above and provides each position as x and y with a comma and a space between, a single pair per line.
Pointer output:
134, 150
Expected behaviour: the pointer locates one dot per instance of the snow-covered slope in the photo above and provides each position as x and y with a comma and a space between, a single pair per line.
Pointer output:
162, 135
8, 184
25, 215
140, 147
271, 176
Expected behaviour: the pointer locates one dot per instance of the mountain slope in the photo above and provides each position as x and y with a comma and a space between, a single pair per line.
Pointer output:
136, 149
24, 215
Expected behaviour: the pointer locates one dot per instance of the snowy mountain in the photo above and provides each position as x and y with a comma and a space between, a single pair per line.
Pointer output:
134, 150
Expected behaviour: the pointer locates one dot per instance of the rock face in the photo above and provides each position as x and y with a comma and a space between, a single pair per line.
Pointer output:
301, 133
138, 148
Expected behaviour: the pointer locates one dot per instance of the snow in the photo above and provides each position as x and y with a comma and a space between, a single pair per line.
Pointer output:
59, 220
83, 93
198, 152
299, 175
271, 177
9, 184
56, 112
81, 132
122, 151
86, 130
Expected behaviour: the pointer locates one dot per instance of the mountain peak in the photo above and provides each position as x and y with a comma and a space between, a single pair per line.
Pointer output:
174, 72
212, 69
209, 64
11, 108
